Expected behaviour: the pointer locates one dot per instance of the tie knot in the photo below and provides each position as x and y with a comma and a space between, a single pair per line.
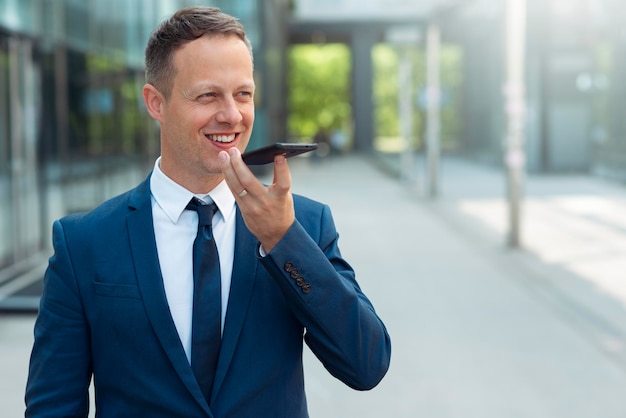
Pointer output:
205, 211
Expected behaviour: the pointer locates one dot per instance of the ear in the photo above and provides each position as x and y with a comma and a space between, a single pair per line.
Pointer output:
154, 101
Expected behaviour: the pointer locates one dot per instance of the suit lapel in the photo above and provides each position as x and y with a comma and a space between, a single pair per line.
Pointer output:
150, 281
244, 273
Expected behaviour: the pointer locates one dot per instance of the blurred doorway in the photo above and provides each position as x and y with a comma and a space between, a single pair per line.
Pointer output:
569, 115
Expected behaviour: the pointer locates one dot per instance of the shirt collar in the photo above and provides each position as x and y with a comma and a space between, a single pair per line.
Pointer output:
172, 198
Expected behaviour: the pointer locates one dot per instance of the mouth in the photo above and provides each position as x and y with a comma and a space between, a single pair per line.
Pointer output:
222, 139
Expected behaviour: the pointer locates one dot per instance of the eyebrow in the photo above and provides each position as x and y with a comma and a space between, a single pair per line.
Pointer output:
216, 87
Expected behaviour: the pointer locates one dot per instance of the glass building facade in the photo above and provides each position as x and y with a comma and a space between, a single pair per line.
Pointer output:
575, 88
73, 127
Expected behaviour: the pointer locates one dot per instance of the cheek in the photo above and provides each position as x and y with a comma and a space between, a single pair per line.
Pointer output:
248, 120
197, 116
249, 116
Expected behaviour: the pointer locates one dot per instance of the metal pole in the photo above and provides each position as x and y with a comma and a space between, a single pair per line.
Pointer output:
433, 105
405, 106
16, 137
515, 112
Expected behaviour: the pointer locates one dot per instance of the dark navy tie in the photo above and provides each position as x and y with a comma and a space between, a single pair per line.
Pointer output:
207, 305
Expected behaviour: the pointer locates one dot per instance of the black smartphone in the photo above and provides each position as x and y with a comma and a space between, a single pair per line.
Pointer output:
265, 155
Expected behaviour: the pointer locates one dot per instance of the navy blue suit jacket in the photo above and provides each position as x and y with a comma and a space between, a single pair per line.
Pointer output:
104, 313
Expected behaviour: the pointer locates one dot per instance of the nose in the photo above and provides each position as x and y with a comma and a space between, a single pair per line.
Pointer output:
229, 112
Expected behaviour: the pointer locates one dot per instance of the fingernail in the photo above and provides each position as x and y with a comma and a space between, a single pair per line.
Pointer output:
223, 156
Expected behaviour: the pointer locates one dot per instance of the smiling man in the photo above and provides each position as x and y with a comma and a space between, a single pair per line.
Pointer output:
192, 294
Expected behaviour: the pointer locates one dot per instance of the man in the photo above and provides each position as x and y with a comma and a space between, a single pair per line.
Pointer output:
118, 295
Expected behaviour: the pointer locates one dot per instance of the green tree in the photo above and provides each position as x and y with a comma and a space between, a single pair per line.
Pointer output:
386, 93
320, 83
319, 88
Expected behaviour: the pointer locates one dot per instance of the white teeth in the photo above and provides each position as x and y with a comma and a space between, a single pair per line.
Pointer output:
222, 138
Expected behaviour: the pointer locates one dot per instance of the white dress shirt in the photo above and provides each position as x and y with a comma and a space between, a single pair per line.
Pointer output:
175, 230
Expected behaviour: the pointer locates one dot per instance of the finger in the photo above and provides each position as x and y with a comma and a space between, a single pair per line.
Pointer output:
229, 174
282, 174
227, 168
238, 175
244, 174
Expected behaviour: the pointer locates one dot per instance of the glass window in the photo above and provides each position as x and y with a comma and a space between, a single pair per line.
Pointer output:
20, 15
77, 23
6, 212
19, 210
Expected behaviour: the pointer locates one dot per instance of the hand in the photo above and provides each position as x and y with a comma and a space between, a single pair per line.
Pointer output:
267, 211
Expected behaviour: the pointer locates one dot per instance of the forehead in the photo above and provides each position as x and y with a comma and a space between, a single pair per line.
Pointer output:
219, 60
215, 48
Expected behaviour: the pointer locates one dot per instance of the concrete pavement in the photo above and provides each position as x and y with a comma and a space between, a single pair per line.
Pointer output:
478, 330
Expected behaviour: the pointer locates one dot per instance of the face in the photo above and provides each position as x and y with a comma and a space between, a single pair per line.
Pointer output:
210, 109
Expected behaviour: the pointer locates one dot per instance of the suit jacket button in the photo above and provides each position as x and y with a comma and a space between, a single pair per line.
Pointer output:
288, 267
306, 288
300, 281
295, 273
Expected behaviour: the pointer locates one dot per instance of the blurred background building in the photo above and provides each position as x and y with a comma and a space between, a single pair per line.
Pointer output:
73, 129
73, 126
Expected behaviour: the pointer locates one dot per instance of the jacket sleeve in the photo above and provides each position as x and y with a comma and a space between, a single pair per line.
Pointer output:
60, 365
342, 327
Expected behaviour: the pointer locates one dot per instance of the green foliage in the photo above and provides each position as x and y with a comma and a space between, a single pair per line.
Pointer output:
451, 83
320, 82
319, 88
387, 91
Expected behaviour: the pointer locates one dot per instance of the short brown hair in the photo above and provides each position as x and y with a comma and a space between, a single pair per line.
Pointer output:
185, 26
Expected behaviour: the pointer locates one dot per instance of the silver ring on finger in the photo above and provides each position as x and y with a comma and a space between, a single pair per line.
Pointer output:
243, 193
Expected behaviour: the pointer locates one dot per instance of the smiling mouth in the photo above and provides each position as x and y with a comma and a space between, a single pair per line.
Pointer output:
224, 139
